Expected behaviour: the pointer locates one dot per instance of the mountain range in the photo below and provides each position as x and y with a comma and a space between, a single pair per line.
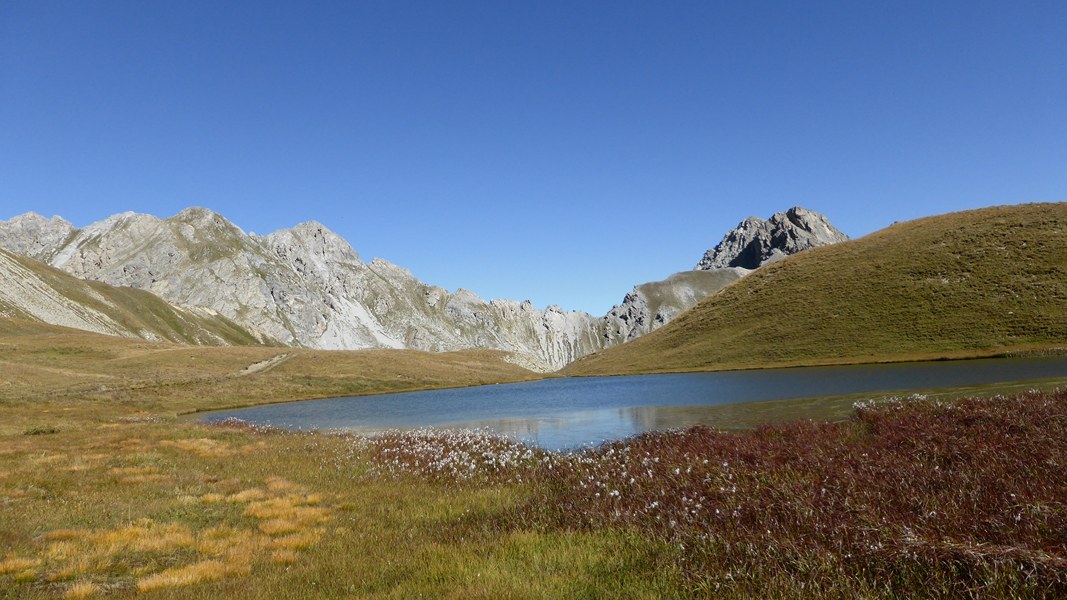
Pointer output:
306, 286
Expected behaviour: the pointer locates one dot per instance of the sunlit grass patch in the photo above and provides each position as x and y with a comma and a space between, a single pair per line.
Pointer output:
289, 513
146, 536
18, 565
298, 541
248, 495
72, 553
147, 550
277, 484
204, 571
137, 474
202, 447
232, 544
82, 589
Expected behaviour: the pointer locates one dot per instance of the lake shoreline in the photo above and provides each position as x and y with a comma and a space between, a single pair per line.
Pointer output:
1018, 352
568, 412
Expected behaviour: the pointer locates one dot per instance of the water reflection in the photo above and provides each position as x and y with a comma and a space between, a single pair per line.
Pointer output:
569, 412
592, 427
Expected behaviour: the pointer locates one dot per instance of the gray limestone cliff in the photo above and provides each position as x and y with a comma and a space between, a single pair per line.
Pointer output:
304, 286
756, 242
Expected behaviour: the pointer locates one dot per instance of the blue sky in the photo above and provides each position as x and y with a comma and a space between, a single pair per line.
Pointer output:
554, 151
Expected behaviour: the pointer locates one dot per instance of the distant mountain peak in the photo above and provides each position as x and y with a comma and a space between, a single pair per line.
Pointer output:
33, 235
756, 242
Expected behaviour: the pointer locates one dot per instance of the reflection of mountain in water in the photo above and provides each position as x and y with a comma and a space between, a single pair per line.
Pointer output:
616, 423
605, 424
655, 418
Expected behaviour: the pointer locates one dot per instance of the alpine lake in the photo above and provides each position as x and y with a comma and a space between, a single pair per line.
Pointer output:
564, 413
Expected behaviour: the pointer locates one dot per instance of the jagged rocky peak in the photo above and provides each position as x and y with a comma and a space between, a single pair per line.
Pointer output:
33, 235
756, 242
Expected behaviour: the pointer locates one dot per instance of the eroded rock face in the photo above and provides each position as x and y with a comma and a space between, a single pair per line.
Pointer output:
33, 235
303, 286
756, 242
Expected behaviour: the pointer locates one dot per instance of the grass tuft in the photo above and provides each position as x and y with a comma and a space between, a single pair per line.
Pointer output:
41, 430
204, 571
82, 589
17, 565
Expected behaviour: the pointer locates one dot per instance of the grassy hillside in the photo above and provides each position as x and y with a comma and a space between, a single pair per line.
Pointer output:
679, 289
35, 291
963, 284
99, 377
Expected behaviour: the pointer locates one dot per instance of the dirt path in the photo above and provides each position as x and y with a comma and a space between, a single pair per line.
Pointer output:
264, 365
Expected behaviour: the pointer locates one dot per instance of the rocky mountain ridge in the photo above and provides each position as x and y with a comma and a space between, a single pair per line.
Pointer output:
306, 286
303, 286
32, 291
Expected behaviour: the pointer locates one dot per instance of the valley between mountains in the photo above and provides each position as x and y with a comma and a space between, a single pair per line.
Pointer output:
203, 280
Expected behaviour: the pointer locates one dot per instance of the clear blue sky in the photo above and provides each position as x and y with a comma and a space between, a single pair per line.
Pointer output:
555, 151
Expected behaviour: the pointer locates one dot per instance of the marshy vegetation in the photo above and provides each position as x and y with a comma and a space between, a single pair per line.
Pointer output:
911, 497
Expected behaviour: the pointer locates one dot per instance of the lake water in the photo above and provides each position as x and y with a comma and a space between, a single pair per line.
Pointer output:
569, 412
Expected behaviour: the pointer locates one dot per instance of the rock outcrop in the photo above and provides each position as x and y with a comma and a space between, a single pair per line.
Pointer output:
756, 242
34, 236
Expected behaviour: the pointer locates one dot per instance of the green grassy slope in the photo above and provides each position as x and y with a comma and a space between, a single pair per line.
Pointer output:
136, 312
963, 284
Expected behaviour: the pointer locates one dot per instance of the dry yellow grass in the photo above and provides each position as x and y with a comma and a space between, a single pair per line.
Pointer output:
82, 589
247, 495
208, 570
18, 565
286, 514
282, 508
